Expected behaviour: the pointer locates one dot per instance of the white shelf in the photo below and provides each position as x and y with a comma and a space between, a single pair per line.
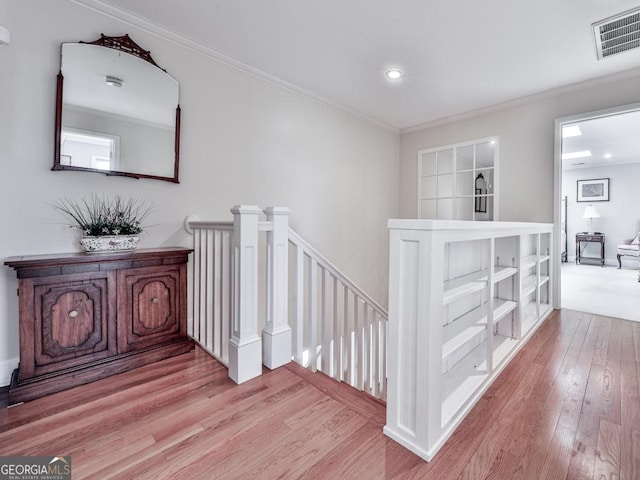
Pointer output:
545, 309
502, 346
464, 342
529, 316
502, 273
460, 382
528, 285
473, 316
459, 287
529, 261
502, 307
544, 258
543, 279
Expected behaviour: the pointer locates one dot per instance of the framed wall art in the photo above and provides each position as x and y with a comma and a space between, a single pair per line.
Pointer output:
596, 190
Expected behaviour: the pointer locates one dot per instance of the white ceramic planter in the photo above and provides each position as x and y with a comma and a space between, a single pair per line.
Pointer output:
109, 243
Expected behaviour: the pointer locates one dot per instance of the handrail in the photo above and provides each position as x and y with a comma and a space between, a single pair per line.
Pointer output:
337, 328
202, 224
334, 326
323, 262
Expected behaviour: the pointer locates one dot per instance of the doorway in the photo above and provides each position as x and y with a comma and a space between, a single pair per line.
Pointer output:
597, 194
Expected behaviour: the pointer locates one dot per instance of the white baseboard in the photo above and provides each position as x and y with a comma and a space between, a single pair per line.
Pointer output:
607, 261
6, 369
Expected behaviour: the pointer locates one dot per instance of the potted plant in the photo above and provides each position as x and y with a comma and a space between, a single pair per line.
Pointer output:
107, 224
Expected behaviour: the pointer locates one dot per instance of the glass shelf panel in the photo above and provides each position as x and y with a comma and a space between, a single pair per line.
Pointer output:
428, 163
445, 209
445, 161
485, 154
464, 184
464, 208
445, 185
428, 209
429, 187
464, 158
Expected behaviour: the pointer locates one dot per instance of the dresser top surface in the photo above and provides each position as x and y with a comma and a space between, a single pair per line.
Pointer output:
54, 259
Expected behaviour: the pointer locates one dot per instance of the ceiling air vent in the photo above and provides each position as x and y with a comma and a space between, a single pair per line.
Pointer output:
617, 34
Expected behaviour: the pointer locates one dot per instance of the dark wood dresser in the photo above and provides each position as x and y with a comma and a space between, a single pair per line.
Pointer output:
87, 316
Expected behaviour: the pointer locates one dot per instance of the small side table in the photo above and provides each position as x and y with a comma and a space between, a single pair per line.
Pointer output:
587, 238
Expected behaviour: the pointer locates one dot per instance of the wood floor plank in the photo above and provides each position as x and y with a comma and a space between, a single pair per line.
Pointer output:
630, 406
291, 457
585, 447
522, 408
636, 343
534, 431
607, 465
364, 457
556, 462
611, 402
567, 406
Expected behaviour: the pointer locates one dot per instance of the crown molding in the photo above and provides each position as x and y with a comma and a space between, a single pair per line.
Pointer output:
153, 28
536, 97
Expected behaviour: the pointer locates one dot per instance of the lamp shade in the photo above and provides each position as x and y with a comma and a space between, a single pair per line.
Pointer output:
590, 212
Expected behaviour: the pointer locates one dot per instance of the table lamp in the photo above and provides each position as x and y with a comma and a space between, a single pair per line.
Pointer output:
590, 212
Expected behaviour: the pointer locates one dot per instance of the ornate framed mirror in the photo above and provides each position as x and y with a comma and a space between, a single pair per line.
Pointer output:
481, 194
117, 111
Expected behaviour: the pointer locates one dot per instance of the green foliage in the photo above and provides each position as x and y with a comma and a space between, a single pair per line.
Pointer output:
101, 216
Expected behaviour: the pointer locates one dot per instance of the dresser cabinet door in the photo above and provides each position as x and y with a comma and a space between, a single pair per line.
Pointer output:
70, 322
151, 306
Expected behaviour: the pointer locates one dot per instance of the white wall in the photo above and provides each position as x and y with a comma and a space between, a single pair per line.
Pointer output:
526, 145
619, 217
244, 141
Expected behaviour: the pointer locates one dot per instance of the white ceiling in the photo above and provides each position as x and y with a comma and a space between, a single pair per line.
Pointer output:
616, 135
459, 55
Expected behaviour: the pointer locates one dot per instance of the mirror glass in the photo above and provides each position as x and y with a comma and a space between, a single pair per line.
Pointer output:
481, 194
117, 112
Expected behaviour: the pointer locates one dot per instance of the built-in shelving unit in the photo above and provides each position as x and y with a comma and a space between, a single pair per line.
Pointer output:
464, 296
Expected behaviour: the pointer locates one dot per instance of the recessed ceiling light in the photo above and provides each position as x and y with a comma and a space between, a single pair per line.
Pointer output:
394, 74
113, 81
571, 131
568, 156
607, 155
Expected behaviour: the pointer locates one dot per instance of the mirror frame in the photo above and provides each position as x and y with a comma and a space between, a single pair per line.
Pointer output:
126, 45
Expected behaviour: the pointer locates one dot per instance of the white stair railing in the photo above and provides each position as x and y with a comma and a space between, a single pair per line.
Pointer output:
211, 292
337, 328
332, 326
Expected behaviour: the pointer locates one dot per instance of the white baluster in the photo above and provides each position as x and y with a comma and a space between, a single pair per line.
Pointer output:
298, 305
226, 306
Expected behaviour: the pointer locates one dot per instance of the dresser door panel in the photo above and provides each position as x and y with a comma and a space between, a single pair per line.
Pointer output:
71, 321
150, 306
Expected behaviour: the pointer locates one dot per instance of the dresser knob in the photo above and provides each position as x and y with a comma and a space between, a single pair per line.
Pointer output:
73, 314
155, 300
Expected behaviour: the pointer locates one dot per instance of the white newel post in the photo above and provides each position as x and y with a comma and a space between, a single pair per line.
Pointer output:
276, 335
245, 346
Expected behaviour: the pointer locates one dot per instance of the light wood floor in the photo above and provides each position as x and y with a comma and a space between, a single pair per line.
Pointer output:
568, 406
